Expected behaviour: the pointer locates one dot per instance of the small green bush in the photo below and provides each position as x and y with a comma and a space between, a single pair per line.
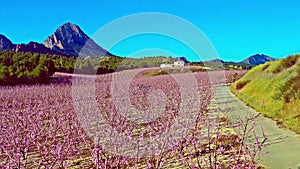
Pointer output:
156, 72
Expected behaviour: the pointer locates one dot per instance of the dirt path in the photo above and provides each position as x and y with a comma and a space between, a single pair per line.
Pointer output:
284, 145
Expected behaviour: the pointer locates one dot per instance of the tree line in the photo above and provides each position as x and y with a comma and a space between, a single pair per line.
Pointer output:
31, 68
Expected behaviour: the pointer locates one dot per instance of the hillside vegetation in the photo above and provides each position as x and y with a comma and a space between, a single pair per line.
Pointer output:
30, 67
273, 89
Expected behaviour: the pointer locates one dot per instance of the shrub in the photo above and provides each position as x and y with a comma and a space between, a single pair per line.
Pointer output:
286, 63
241, 84
265, 66
290, 61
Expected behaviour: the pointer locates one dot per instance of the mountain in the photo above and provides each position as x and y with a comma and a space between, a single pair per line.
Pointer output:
70, 39
36, 48
257, 59
216, 61
5, 43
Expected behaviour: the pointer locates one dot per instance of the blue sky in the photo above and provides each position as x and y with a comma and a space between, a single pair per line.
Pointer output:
236, 28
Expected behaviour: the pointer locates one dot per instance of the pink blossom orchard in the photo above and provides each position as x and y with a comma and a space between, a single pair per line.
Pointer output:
41, 129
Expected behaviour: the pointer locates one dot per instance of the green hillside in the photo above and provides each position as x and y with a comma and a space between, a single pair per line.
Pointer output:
273, 89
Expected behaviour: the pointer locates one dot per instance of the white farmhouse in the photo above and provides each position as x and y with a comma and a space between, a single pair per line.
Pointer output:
179, 63
176, 64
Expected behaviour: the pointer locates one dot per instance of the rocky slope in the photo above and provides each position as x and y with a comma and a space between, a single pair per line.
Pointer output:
36, 48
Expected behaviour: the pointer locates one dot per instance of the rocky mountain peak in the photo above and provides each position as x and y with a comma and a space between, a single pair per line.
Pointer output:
71, 33
70, 39
71, 28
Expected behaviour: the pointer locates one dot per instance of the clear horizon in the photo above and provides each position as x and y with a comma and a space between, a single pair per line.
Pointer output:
237, 29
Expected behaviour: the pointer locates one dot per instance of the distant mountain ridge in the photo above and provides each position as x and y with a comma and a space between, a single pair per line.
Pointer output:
67, 40
253, 60
35, 47
258, 59
217, 61
6, 44
70, 39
